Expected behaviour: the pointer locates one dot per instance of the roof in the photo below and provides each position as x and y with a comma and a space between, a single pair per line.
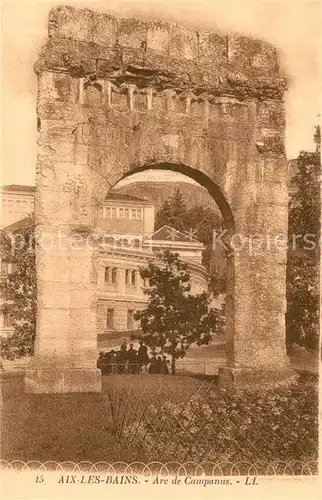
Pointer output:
18, 187
125, 197
20, 224
170, 234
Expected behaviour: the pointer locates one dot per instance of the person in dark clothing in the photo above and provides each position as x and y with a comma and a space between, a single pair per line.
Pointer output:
153, 365
143, 357
164, 366
113, 361
159, 365
132, 360
99, 362
121, 359
106, 364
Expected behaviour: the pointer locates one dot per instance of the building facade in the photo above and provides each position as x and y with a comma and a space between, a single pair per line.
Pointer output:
17, 202
127, 243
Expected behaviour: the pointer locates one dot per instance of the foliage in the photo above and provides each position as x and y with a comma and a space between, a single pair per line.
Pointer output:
303, 257
174, 212
280, 424
174, 318
197, 222
19, 291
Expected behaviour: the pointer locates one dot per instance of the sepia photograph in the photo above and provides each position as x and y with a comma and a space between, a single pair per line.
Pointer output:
160, 242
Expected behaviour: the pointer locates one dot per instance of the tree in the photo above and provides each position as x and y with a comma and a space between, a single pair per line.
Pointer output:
302, 318
19, 291
198, 222
173, 318
173, 212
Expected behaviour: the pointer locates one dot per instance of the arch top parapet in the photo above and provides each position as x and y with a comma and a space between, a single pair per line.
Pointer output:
159, 55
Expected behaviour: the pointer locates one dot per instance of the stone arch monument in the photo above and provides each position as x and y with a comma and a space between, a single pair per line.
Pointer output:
120, 95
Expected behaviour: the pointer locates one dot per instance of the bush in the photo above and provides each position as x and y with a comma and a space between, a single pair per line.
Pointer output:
279, 425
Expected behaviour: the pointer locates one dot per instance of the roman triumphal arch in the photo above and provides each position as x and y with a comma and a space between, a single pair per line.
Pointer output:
117, 95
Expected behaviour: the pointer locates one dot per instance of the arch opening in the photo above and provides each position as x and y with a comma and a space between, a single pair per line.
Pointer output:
214, 192
202, 179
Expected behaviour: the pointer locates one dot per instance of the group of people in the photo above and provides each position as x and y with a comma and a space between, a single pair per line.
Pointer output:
132, 361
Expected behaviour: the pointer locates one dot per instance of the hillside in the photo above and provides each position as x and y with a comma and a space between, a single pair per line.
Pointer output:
158, 192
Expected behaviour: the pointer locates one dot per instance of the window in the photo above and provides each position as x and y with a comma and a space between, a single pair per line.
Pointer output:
136, 243
4, 268
13, 268
133, 278
127, 277
113, 213
107, 275
114, 275
146, 283
110, 319
24, 206
7, 320
130, 319
109, 241
123, 213
106, 211
136, 214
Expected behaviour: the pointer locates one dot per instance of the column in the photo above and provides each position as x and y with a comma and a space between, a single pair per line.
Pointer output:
256, 293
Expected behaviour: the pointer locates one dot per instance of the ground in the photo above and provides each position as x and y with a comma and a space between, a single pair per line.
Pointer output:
88, 427
75, 426
79, 427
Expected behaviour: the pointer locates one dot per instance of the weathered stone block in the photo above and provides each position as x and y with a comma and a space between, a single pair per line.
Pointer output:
158, 37
55, 258
69, 22
80, 316
54, 295
270, 141
80, 268
56, 316
252, 379
274, 169
275, 194
249, 53
59, 381
132, 33
183, 43
212, 48
70, 55
53, 207
272, 115
105, 30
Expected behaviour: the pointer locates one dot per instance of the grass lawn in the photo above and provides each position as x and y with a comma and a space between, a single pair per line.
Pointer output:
76, 427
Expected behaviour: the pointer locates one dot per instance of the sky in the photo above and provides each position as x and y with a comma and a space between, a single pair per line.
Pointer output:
292, 26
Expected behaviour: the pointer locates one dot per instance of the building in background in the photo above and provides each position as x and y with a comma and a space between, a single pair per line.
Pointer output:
128, 242
17, 202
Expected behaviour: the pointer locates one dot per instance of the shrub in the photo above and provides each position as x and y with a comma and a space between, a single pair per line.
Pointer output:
279, 425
